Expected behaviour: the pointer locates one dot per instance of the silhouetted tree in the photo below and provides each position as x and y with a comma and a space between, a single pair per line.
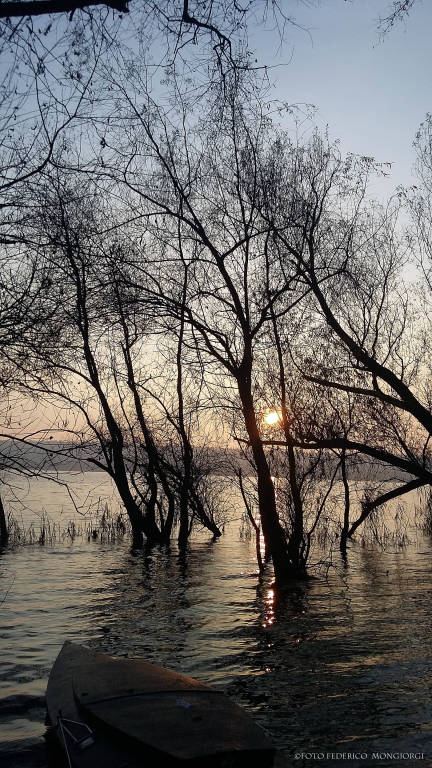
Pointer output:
196, 195
366, 345
96, 364
23, 310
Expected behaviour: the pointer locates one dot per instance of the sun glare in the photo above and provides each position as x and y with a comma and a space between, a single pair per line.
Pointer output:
272, 418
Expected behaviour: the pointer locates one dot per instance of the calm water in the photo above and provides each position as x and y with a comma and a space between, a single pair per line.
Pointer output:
341, 665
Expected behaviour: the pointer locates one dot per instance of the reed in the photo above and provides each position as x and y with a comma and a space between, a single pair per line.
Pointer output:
102, 525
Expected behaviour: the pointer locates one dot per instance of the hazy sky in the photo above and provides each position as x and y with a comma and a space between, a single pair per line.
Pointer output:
372, 92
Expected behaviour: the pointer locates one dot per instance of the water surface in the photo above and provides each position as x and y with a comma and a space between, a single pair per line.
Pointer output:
338, 665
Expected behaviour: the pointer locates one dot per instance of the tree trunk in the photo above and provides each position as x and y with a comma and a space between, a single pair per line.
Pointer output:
252, 522
201, 514
274, 535
140, 524
345, 526
169, 520
151, 503
152, 452
296, 544
4, 533
183, 533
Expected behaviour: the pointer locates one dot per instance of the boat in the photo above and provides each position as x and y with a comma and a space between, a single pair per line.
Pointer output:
115, 712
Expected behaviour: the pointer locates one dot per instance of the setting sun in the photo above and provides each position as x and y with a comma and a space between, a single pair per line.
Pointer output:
272, 418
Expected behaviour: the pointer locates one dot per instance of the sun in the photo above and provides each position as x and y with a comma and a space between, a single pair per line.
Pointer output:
272, 418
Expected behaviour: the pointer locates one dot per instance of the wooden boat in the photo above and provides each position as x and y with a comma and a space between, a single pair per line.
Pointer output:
125, 713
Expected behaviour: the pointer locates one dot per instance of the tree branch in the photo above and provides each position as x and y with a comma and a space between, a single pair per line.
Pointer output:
369, 506
380, 454
41, 7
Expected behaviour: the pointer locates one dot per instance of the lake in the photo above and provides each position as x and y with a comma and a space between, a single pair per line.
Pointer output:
338, 671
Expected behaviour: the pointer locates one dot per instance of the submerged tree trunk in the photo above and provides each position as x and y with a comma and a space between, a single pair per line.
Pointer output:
274, 535
4, 533
187, 451
140, 524
202, 515
296, 542
345, 526
183, 532
252, 522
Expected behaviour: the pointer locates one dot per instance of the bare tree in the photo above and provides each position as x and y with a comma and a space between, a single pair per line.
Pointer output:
23, 290
171, 461
366, 345
197, 200
96, 364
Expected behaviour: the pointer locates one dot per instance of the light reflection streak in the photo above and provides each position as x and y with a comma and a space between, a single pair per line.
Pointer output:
269, 616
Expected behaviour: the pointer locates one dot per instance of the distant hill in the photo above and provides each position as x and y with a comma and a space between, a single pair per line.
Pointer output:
58, 456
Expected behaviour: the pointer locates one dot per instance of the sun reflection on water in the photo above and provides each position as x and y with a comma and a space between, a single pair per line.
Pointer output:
269, 615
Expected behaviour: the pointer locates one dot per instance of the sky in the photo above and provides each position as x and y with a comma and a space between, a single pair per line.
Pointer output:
372, 91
